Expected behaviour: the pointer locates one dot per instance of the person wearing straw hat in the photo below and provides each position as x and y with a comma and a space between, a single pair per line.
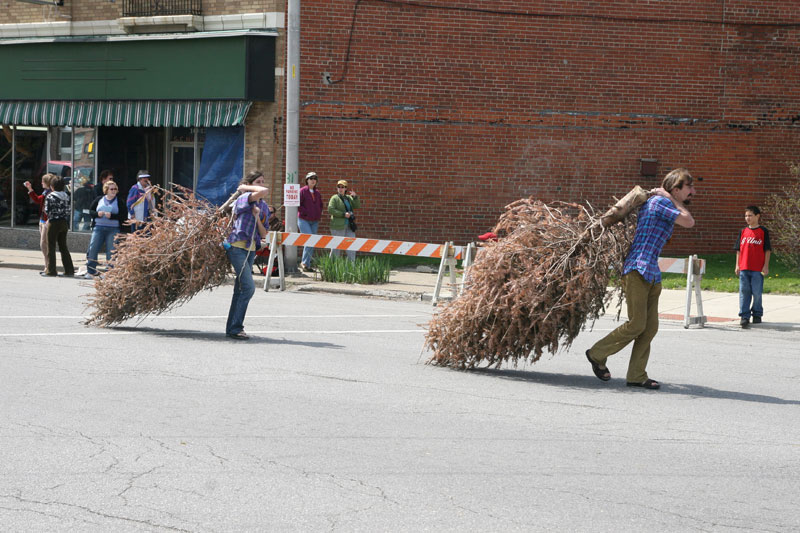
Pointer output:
308, 215
343, 220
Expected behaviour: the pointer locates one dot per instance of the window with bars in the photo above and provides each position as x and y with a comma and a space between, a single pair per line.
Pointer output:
152, 8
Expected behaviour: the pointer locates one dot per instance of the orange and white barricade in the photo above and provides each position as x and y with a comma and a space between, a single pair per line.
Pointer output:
694, 269
279, 239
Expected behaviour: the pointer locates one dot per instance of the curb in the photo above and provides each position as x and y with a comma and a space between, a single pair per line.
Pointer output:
375, 293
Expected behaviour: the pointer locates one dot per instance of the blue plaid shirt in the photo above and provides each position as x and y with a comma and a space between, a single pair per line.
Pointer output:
244, 224
653, 229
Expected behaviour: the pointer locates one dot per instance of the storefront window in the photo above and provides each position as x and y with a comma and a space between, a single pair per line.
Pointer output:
5, 175
186, 145
84, 189
30, 164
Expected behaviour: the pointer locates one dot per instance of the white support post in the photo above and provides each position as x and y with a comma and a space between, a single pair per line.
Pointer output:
689, 287
694, 275
469, 256
275, 250
448, 262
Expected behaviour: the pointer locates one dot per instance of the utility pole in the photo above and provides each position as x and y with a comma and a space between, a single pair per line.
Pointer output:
292, 116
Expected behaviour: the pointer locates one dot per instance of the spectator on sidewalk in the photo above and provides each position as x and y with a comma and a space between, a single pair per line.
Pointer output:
108, 213
308, 215
38, 199
343, 219
104, 177
141, 202
753, 250
56, 206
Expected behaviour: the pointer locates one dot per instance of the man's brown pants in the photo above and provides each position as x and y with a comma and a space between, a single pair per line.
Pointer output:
642, 325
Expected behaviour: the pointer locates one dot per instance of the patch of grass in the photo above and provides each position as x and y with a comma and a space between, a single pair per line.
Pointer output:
364, 270
399, 261
720, 276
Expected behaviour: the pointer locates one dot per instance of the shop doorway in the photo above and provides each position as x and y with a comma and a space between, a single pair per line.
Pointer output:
125, 151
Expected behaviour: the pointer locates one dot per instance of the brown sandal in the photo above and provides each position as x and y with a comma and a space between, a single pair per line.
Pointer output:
649, 384
602, 373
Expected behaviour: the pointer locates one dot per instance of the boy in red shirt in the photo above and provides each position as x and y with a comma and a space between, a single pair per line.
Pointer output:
752, 264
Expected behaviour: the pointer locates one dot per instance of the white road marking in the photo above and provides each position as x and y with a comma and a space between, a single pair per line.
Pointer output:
265, 332
198, 317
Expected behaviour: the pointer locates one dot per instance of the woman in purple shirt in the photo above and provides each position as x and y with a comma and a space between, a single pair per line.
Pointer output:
308, 215
250, 213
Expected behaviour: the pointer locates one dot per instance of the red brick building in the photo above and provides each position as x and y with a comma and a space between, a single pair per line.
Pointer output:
441, 112
438, 112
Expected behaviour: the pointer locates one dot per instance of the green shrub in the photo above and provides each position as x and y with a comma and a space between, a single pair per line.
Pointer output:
783, 210
364, 270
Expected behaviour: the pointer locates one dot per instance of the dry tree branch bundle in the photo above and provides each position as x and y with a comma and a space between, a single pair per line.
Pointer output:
177, 256
535, 288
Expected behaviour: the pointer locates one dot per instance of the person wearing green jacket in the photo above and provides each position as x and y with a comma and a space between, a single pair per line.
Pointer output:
343, 220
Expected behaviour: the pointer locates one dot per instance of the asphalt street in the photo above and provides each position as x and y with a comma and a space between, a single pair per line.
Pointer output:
330, 420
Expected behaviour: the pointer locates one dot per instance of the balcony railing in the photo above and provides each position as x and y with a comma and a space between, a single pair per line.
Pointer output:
159, 8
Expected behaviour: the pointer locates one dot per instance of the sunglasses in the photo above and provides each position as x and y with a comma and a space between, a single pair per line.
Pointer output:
113, 189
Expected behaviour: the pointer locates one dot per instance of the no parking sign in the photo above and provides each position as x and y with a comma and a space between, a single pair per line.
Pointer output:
291, 194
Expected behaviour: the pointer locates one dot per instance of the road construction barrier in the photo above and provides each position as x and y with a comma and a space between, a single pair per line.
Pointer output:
280, 239
694, 269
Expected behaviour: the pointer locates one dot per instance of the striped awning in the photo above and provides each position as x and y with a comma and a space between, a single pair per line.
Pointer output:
144, 113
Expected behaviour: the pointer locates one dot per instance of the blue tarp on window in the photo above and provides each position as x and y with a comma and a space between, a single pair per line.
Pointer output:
221, 165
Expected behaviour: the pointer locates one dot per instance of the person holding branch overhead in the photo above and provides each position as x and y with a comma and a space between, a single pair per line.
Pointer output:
250, 213
642, 279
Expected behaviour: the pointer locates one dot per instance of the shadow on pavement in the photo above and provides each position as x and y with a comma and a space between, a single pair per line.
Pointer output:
220, 337
590, 382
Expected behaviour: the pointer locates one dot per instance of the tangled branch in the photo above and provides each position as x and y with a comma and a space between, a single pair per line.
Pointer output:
162, 267
535, 288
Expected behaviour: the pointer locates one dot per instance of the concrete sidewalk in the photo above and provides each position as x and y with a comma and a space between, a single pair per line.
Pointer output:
780, 311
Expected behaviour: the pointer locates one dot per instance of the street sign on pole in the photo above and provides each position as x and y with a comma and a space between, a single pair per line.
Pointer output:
291, 195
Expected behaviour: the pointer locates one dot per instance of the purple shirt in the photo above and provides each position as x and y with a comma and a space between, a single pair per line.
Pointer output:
310, 204
244, 223
653, 229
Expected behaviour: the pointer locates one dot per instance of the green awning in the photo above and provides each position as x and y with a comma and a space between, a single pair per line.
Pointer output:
144, 113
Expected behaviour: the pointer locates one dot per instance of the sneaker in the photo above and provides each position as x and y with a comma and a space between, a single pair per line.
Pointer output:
745, 323
241, 336
81, 272
87, 276
756, 320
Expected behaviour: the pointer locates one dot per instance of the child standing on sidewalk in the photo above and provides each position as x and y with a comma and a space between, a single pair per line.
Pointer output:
752, 264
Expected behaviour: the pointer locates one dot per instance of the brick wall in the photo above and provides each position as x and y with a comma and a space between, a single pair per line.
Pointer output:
85, 10
443, 116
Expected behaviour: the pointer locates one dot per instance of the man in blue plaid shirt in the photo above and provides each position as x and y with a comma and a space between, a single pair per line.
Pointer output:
642, 279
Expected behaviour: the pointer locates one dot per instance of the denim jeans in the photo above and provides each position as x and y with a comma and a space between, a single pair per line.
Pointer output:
243, 288
100, 235
751, 286
80, 220
307, 226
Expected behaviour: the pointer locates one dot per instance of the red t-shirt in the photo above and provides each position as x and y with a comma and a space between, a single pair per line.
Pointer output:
752, 244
